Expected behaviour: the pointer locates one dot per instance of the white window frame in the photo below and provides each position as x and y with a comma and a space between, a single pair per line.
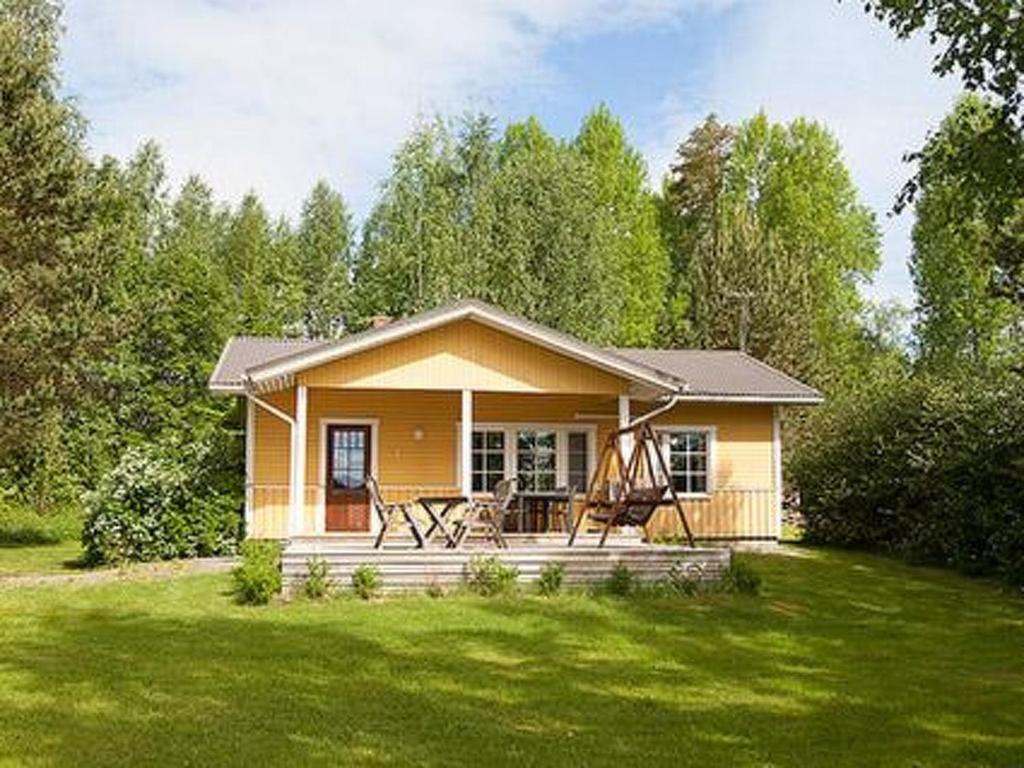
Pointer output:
510, 429
664, 430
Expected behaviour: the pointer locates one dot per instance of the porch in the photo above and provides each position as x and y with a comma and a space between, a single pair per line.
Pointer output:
404, 568
423, 442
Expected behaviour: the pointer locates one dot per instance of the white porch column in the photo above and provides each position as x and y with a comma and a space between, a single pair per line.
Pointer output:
250, 478
777, 467
297, 495
466, 443
624, 419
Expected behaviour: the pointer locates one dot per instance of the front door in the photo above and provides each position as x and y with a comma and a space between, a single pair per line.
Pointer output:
348, 463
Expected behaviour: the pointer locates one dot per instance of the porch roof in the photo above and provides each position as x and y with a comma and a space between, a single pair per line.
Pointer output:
728, 375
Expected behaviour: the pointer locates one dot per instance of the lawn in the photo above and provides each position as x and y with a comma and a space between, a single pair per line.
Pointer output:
845, 660
17, 559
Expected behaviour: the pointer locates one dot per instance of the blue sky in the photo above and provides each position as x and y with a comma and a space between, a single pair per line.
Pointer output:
270, 96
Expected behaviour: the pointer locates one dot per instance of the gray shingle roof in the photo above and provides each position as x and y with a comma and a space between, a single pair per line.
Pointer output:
722, 373
244, 352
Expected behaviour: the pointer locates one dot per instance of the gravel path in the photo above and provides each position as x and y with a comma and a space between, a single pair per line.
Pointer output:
135, 572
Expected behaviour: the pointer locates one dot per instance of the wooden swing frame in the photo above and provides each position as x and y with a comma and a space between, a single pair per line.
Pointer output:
640, 466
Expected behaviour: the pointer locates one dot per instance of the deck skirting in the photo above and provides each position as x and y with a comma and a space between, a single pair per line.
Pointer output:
405, 569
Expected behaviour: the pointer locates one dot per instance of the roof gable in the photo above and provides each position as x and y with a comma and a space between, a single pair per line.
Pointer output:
281, 370
726, 375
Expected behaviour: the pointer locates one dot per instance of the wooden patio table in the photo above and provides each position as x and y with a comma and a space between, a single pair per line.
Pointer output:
546, 499
437, 519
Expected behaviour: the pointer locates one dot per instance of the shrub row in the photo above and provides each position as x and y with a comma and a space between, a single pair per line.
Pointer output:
931, 470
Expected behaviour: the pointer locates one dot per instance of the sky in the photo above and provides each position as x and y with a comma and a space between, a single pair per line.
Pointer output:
270, 95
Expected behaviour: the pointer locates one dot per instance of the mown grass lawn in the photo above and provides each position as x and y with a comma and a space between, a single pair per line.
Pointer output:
19, 559
845, 660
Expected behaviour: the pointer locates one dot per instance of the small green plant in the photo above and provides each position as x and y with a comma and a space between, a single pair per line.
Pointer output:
686, 579
258, 577
366, 581
488, 576
318, 581
740, 577
552, 575
622, 582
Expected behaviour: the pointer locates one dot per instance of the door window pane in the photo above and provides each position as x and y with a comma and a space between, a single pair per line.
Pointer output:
348, 459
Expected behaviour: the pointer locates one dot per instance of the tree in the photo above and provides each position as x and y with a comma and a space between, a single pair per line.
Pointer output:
692, 216
957, 237
773, 242
562, 233
324, 261
556, 266
56, 251
982, 42
631, 235
410, 237
983, 39
260, 260
795, 179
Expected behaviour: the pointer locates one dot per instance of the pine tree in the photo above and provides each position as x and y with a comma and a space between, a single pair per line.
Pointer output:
325, 261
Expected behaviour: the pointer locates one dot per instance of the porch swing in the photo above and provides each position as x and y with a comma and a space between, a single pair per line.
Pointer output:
627, 493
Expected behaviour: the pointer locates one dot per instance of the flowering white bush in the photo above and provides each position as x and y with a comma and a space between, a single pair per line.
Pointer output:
157, 504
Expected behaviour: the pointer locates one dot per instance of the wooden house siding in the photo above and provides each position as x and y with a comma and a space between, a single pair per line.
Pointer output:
464, 355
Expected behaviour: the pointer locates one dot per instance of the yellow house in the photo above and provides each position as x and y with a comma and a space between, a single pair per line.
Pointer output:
450, 401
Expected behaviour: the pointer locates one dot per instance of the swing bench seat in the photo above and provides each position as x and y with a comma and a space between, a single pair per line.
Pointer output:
634, 508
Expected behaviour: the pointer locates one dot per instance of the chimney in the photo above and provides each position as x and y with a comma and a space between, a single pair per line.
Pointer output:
379, 321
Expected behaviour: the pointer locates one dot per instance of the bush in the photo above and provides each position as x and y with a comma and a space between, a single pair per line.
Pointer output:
488, 576
741, 577
21, 525
366, 581
258, 577
622, 582
318, 582
159, 504
551, 577
929, 469
686, 578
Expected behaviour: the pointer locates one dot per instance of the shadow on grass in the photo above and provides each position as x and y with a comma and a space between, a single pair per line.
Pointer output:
848, 660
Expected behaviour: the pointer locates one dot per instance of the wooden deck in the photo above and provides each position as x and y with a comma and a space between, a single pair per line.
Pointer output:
403, 568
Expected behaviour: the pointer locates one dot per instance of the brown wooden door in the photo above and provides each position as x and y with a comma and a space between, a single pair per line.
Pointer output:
348, 464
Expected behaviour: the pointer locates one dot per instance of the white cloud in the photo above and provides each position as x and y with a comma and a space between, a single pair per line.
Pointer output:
832, 62
272, 95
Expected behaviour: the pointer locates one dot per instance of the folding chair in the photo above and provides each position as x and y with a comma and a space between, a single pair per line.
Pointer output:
390, 513
488, 515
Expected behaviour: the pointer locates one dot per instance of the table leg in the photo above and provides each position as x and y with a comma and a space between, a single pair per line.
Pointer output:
437, 522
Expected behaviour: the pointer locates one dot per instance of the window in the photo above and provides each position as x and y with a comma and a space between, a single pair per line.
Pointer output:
348, 457
535, 459
579, 472
687, 452
488, 459
540, 457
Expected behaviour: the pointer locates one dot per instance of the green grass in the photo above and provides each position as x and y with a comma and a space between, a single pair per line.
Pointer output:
845, 660
64, 557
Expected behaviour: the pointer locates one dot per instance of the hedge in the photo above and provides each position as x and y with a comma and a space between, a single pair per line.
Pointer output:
929, 469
